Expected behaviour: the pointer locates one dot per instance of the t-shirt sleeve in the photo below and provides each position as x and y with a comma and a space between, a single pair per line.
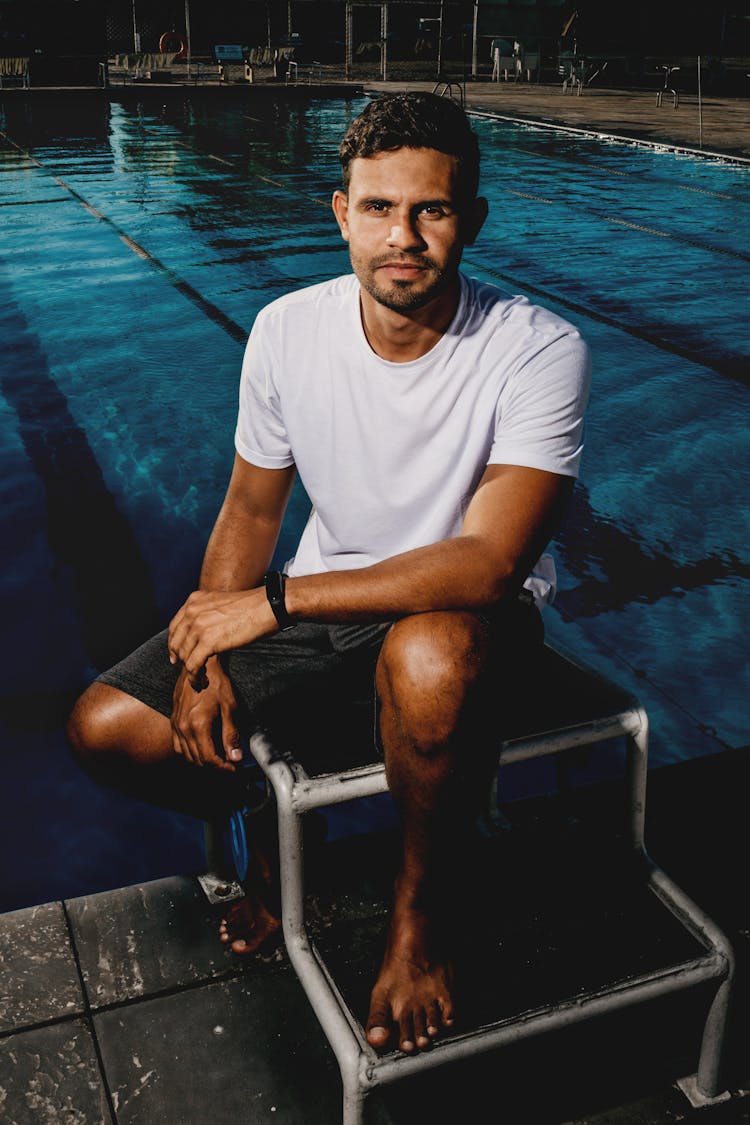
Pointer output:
260, 436
540, 419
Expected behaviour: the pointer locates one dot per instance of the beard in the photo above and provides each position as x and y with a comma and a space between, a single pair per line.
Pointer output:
400, 295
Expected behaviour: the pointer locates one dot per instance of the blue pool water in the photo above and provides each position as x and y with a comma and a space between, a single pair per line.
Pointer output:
138, 241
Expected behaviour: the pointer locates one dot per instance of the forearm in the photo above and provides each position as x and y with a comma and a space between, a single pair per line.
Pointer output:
244, 536
511, 517
456, 573
238, 554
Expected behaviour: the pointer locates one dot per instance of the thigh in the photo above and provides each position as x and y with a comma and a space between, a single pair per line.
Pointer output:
146, 674
311, 690
510, 680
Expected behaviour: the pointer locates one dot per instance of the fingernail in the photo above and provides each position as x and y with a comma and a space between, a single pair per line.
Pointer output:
235, 753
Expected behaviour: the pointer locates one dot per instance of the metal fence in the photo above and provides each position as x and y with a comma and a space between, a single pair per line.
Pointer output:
350, 39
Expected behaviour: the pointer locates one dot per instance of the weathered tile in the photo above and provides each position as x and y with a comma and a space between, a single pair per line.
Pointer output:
139, 940
38, 976
50, 1075
247, 1049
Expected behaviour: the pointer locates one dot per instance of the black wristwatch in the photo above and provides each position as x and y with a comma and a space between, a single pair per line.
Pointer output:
275, 582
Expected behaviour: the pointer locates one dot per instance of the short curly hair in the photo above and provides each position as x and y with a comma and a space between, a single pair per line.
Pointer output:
414, 120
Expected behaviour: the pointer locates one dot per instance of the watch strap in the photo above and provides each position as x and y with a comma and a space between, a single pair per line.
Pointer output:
275, 583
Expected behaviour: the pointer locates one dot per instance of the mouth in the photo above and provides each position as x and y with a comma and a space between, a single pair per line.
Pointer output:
403, 271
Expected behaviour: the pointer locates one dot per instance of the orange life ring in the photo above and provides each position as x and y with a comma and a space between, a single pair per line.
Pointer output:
174, 37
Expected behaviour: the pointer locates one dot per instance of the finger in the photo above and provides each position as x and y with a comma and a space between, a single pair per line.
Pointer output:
181, 745
194, 657
174, 636
203, 748
230, 736
201, 680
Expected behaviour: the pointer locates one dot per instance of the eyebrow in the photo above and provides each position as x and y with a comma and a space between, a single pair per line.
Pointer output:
420, 203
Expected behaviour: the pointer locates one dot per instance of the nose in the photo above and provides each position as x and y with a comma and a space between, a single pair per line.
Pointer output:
404, 234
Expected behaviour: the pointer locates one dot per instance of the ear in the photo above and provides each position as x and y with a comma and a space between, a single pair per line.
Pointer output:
340, 205
473, 219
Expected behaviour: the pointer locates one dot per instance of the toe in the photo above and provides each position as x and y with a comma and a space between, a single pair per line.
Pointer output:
406, 1034
421, 1037
446, 1007
433, 1020
378, 1027
377, 1036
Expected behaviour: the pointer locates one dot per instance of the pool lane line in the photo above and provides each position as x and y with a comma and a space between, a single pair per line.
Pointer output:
709, 248
733, 369
606, 170
233, 164
736, 368
706, 247
658, 146
212, 311
208, 308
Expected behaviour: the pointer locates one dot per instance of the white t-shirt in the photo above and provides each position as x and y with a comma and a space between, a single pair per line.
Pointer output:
390, 454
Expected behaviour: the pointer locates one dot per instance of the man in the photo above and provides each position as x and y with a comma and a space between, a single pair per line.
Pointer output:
436, 424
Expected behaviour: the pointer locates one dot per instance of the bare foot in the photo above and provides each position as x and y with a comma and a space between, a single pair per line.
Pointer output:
249, 925
412, 995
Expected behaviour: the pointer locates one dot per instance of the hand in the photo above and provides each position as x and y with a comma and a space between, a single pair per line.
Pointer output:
210, 622
194, 720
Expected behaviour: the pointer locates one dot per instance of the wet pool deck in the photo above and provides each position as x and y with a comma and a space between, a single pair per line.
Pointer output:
722, 127
123, 1007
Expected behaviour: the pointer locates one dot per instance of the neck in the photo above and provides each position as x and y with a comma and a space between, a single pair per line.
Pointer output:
400, 337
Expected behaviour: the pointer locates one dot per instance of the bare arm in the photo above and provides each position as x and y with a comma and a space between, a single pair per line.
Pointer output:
247, 527
512, 515
238, 553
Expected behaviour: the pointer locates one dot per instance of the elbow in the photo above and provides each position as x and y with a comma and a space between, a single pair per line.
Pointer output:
497, 581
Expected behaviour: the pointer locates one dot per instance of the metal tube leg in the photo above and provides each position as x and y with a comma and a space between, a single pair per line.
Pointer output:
637, 772
212, 842
353, 1112
709, 1075
291, 869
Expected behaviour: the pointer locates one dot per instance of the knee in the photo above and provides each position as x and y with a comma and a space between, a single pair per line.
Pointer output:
90, 727
431, 651
428, 666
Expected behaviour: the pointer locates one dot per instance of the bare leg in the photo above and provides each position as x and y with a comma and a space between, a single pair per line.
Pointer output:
428, 676
124, 743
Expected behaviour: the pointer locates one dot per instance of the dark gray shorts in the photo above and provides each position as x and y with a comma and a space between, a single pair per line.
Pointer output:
313, 686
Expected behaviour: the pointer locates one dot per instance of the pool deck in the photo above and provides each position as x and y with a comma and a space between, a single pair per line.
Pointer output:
123, 1007
723, 127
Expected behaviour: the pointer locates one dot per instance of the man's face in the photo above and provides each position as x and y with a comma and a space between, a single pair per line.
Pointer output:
401, 221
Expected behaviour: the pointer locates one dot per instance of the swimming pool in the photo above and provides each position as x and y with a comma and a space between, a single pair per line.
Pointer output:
137, 242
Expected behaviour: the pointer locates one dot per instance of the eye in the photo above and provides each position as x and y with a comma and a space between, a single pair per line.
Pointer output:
432, 211
377, 206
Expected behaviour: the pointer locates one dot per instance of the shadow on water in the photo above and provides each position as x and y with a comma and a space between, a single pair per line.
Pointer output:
87, 534
628, 569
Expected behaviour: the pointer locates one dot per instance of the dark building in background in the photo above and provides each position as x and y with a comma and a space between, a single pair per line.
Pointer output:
67, 40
